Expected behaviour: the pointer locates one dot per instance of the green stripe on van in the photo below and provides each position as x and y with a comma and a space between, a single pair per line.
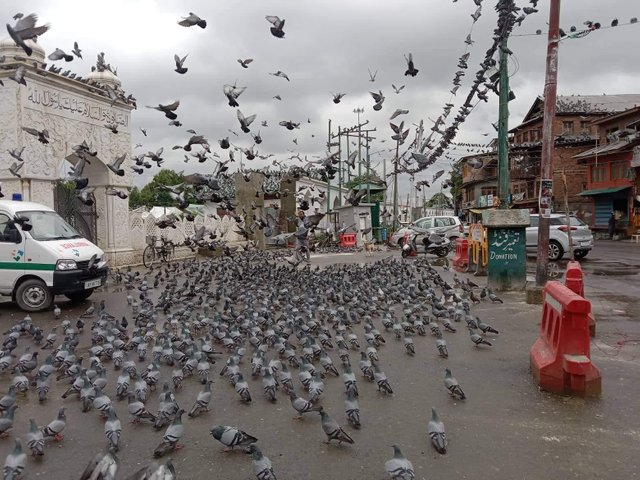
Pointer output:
50, 267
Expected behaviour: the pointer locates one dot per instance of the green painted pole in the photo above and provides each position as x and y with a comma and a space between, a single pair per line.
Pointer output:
503, 127
328, 179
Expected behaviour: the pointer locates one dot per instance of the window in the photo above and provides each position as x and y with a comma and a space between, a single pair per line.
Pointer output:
534, 135
584, 126
49, 226
618, 170
567, 127
608, 133
525, 137
488, 191
598, 173
8, 231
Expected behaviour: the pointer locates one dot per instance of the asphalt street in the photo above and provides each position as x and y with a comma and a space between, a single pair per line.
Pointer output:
507, 428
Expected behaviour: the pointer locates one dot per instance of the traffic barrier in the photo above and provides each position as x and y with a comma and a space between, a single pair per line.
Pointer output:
574, 281
347, 239
478, 251
560, 358
461, 258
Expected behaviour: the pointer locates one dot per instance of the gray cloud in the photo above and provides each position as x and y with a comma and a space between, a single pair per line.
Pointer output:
329, 46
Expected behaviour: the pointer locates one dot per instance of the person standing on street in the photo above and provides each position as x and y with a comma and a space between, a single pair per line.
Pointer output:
302, 242
612, 225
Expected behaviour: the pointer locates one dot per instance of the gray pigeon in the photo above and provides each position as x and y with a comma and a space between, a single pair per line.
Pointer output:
171, 437
301, 405
59, 54
352, 409
35, 439
478, 339
113, 430
231, 437
56, 427
18, 75
399, 468
192, 20
332, 430
103, 466
25, 29
261, 464
180, 68
435, 429
202, 401
138, 411
15, 462
452, 385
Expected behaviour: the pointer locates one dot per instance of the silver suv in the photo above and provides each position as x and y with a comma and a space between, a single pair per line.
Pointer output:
447, 225
581, 236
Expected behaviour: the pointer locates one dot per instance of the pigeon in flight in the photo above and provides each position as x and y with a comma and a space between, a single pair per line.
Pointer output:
372, 76
245, 121
398, 111
378, 98
76, 50
232, 93
337, 97
25, 29
59, 54
15, 168
411, 70
114, 192
168, 110
116, 165
18, 76
397, 89
245, 63
43, 136
278, 25
281, 74
192, 20
180, 68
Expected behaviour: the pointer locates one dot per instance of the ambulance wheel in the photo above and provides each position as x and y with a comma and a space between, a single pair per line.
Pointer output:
33, 295
80, 296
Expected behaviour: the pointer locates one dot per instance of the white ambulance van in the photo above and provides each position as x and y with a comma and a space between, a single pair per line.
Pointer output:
41, 256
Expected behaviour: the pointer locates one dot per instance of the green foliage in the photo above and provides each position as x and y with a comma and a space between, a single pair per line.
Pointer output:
364, 179
135, 198
455, 180
439, 200
153, 195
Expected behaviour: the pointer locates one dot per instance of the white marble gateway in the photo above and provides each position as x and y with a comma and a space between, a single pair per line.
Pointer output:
72, 111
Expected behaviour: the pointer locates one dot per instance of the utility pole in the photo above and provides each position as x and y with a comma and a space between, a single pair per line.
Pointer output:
503, 126
368, 171
329, 179
395, 186
546, 163
340, 166
359, 111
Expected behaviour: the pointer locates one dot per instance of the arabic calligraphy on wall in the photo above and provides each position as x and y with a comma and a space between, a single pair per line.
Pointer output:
58, 102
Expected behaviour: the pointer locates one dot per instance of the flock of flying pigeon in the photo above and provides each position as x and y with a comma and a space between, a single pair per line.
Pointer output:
259, 322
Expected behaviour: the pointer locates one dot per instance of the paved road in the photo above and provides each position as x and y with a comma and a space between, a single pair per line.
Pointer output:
506, 429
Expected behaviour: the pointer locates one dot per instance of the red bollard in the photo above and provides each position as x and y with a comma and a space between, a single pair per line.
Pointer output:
560, 357
574, 281
461, 258
348, 240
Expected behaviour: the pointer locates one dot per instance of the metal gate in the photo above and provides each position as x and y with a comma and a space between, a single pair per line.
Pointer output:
80, 216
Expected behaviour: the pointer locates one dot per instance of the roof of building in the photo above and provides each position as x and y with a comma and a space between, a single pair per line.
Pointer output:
607, 149
602, 191
583, 105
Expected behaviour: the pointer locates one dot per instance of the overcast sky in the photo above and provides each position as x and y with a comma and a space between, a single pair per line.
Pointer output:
328, 47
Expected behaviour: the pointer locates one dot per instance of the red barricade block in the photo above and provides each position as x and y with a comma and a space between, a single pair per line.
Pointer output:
461, 258
574, 281
348, 240
560, 358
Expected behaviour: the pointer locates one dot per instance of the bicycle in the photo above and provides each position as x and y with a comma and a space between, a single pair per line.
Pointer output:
164, 251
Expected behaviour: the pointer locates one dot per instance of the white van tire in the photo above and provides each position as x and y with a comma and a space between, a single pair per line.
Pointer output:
33, 295
80, 296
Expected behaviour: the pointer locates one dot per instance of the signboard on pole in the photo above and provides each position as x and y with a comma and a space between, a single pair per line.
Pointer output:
545, 197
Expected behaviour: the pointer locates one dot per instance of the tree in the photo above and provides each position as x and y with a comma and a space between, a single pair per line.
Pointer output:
439, 200
455, 180
363, 180
153, 195
135, 198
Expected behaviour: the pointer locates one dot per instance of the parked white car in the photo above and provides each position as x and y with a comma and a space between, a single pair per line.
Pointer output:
447, 225
41, 256
581, 236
